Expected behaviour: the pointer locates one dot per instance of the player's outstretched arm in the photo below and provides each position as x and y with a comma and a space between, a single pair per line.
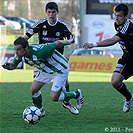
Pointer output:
70, 51
9, 66
61, 43
104, 43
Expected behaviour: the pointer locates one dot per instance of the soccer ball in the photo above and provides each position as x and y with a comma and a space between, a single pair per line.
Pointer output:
32, 114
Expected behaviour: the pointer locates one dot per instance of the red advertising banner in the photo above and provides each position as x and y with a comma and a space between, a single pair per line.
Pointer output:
9, 58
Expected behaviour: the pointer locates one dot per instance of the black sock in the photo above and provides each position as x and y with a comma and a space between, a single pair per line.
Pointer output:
124, 91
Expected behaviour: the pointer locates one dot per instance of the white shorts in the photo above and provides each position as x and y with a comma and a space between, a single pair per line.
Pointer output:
59, 80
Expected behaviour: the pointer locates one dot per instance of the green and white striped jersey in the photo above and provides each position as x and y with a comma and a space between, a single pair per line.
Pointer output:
45, 58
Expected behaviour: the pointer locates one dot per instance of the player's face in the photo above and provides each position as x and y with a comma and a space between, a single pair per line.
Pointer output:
120, 18
52, 13
19, 50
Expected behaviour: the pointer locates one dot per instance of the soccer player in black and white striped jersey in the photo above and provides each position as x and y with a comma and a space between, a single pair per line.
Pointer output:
124, 67
51, 29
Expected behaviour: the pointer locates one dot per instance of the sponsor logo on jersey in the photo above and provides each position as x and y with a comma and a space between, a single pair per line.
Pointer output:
48, 39
57, 33
45, 32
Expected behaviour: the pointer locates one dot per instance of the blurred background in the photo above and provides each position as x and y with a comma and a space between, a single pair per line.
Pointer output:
89, 21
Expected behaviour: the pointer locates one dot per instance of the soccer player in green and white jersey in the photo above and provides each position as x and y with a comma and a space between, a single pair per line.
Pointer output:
52, 66
51, 29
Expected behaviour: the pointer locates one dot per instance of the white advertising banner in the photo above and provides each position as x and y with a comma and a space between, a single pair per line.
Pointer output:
100, 27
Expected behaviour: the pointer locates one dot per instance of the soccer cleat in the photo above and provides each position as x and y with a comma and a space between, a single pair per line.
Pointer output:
70, 107
79, 100
42, 112
127, 105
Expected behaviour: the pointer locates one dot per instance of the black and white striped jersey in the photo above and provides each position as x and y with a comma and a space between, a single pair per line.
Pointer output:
126, 35
48, 33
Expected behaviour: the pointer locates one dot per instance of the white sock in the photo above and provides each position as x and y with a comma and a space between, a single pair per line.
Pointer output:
62, 96
36, 94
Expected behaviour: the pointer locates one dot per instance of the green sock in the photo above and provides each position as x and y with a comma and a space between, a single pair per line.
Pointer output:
77, 94
37, 101
69, 95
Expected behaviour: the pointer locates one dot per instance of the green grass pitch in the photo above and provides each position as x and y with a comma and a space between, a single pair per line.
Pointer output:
101, 113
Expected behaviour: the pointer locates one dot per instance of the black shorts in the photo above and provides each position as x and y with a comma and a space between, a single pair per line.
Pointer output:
125, 67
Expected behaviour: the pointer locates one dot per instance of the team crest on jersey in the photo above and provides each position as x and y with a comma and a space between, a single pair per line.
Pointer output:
45, 32
44, 26
57, 33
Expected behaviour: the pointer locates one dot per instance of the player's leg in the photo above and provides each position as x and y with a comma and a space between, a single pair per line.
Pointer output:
64, 95
123, 72
40, 80
36, 95
67, 86
78, 97
66, 103
59, 93
35, 91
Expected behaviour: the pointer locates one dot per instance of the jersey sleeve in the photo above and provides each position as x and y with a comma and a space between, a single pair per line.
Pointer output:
127, 37
120, 35
35, 28
16, 60
47, 50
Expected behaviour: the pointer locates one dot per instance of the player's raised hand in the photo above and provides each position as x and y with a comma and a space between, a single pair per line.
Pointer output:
70, 40
62, 43
88, 45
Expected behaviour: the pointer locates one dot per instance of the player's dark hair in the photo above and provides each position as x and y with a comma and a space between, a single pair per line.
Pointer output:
51, 5
123, 8
22, 41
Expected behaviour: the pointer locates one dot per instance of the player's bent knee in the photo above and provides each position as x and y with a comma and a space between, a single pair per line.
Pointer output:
115, 84
54, 97
33, 91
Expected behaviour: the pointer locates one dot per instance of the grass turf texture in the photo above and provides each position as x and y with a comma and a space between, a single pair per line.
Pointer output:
102, 105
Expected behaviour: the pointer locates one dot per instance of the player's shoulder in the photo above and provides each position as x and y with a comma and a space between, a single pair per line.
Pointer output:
131, 24
36, 47
127, 27
130, 28
65, 25
40, 21
130, 21
61, 22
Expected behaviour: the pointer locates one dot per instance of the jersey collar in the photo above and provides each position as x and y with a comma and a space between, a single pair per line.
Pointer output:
54, 23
